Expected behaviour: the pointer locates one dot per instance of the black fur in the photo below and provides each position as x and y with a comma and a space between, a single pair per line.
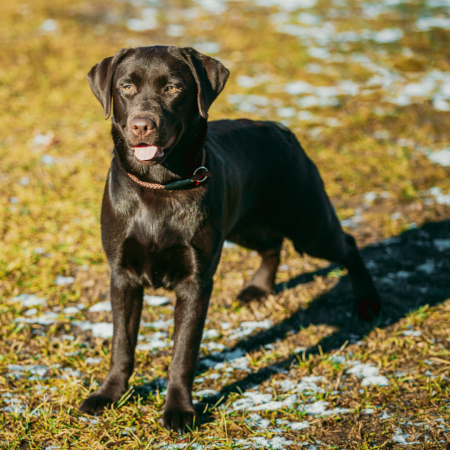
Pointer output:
264, 189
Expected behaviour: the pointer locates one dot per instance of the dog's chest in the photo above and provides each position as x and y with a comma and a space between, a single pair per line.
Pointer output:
158, 247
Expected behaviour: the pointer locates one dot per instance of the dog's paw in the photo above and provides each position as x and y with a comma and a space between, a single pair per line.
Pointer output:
181, 419
95, 404
252, 292
368, 308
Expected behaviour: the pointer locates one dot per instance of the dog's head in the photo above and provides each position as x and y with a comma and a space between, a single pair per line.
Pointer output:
158, 93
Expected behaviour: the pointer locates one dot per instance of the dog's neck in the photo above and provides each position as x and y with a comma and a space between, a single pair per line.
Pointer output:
179, 164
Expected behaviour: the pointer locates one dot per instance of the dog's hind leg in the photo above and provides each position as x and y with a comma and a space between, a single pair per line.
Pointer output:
367, 298
341, 248
262, 283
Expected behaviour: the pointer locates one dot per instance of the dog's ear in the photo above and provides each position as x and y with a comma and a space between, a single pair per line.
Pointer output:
100, 79
210, 76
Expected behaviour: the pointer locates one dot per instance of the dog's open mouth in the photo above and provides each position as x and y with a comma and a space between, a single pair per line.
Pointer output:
144, 152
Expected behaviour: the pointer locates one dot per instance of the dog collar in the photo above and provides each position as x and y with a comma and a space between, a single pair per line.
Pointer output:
199, 176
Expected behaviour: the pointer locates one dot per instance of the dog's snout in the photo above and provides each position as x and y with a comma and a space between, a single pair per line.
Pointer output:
142, 127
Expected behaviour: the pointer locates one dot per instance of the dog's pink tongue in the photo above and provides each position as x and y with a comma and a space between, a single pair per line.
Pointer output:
145, 153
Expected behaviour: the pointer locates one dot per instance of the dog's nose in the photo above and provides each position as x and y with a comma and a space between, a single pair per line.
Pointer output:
142, 127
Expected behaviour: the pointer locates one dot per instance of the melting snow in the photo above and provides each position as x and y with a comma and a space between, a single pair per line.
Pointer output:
92, 360
206, 393
441, 157
247, 328
61, 281
153, 300
28, 300
100, 329
401, 438
412, 333
148, 22
319, 408
369, 375
100, 307
442, 244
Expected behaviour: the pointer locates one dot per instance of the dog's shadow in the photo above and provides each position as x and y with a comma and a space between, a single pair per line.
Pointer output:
410, 270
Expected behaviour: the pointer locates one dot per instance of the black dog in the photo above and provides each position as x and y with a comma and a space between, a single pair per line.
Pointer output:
157, 232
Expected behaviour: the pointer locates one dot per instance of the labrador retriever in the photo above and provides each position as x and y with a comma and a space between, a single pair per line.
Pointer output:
178, 187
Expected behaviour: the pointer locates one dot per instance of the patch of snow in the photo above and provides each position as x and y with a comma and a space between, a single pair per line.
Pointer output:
158, 324
101, 307
61, 281
442, 244
339, 359
369, 375
247, 328
427, 267
93, 360
426, 23
149, 20
154, 300
210, 334
206, 393
412, 333
175, 30
28, 300
100, 329
401, 438
70, 310
255, 420
319, 408
388, 35
47, 159
441, 157
207, 47
49, 26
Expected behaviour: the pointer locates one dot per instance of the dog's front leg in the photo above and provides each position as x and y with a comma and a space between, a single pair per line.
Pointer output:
190, 314
126, 302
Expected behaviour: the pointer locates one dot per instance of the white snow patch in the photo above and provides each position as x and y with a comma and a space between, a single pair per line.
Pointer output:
158, 324
28, 300
412, 333
428, 267
101, 307
100, 329
388, 35
61, 281
70, 310
369, 375
154, 300
247, 328
149, 20
319, 408
210, 334
442, 244
401, 438
206, 393
49, 26
92, 360
441, 157
207, 47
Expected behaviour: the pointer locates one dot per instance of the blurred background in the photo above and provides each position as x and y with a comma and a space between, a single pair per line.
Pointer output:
364, 85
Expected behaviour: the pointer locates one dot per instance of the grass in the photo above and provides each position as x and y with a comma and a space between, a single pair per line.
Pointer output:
49, 216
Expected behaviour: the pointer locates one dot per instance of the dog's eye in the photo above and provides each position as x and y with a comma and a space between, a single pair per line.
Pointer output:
128, 88
171, 88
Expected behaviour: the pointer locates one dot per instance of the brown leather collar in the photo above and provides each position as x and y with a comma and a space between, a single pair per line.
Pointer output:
199, 176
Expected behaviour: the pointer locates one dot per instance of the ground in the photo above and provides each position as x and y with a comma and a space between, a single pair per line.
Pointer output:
366, 89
